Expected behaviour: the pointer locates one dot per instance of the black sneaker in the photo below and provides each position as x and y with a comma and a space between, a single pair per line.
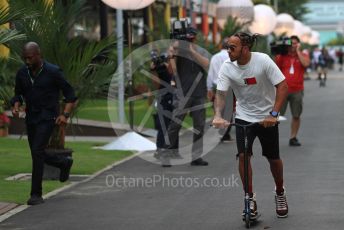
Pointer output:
157, 155
165, 159
165, 162
65, 170
294, 142
253, 208
226, 138
199, 162
176, 155
35, 200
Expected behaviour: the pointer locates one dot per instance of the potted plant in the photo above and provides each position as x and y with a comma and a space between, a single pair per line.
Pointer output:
4, 120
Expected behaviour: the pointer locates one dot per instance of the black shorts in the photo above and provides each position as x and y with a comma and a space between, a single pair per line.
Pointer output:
268, 137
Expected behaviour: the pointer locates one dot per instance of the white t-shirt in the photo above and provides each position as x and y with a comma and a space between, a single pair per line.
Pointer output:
214, 67
253, 85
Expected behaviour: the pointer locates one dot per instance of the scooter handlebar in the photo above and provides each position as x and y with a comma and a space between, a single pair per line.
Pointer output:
247, 125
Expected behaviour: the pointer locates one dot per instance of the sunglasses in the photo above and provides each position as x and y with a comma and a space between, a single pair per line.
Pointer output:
232, 48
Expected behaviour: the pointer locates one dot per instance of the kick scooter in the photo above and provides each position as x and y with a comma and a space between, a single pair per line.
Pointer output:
322, 82
247, 210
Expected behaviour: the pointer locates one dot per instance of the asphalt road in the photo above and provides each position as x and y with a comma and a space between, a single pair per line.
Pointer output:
186, 197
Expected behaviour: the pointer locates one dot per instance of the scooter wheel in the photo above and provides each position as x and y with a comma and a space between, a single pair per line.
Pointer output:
247, 221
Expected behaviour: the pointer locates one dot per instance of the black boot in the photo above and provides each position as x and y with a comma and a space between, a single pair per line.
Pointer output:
35, 200
199, 162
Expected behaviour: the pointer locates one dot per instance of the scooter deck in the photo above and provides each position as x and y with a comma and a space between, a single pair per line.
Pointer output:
253, 219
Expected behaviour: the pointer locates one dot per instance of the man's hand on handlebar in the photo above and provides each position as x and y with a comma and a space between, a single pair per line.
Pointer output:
221, 123
269, 121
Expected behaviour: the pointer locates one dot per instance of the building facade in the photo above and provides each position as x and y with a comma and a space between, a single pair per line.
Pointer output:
327, 17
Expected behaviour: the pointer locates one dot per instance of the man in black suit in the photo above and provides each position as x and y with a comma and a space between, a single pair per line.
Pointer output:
38, 84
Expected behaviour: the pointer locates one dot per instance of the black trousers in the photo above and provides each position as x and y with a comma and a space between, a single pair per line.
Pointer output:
38, 137
194, 105
163, 118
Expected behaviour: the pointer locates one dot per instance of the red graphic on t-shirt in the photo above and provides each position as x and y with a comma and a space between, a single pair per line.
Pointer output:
250, 81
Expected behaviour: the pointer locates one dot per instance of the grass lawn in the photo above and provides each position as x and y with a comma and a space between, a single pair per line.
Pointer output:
15, 158
97, 109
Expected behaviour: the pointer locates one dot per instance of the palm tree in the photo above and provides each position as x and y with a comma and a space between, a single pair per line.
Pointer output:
8, 35
86, 64
232, 26
9, 38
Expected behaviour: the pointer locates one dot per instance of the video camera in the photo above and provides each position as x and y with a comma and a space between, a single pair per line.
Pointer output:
182, 31
280, 46
158, 59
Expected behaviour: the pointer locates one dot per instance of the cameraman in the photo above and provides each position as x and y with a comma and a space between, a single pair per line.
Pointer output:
164, 99
189, 67
293, 65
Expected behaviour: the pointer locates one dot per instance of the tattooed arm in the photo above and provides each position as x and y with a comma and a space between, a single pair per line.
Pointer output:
218, 121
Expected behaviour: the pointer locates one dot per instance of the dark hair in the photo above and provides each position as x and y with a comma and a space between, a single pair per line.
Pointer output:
247, 39
224, 43
296, 38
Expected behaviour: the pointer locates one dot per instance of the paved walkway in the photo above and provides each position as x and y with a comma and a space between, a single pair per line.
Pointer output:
5, 207
313, 175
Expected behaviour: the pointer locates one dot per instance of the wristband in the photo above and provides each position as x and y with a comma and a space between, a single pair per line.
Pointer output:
66, 114
274, 113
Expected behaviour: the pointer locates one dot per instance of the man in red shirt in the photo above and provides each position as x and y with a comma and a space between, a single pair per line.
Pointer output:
293, 66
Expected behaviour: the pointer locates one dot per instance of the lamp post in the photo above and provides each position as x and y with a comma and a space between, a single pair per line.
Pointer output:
128, 4
276, 5
306, 34
298, 28
315, 38
125, 5
119, 27
285, 25
130, 140
242, 10
264, 20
